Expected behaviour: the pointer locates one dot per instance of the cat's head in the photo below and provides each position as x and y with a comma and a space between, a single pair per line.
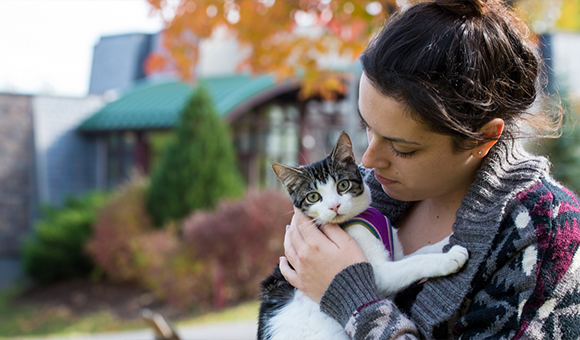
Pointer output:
331, 190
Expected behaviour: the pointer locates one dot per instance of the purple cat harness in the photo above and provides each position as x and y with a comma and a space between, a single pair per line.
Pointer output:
377, 224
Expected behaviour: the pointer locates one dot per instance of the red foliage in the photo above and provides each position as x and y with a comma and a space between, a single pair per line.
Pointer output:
154, 63
220, 259
272, 34
119, 223
242, 241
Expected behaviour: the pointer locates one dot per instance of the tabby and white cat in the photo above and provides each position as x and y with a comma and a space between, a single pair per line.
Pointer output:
332, 191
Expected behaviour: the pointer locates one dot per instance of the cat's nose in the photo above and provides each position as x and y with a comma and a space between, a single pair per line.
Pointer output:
335, 208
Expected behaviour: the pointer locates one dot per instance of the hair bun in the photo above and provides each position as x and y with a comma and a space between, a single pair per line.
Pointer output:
464, 7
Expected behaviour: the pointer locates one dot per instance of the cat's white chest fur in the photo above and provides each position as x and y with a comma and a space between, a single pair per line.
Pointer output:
301, 318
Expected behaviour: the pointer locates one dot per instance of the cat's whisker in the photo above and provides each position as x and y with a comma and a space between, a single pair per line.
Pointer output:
310, 173
305, 223
303, 156
290, 212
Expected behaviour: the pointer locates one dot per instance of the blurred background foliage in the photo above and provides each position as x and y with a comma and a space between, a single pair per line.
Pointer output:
216, 258
564, 151
285, 38
569, 18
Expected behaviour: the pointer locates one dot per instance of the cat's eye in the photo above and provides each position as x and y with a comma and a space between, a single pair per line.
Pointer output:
343, 185
313, 197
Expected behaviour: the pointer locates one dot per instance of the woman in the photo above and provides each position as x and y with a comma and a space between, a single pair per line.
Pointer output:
445, 87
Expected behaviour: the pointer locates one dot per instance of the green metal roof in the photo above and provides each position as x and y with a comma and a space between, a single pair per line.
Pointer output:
156, 105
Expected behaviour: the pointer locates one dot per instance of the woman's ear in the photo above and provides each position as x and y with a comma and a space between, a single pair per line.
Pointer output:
492, 130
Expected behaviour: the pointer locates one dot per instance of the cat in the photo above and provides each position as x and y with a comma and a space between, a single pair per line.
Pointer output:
332, 191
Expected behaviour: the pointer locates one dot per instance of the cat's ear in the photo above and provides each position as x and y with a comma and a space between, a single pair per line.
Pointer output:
286, 174
343, 149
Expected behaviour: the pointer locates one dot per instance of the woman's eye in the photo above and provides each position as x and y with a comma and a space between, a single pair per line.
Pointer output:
363, 125
343, 185
313, 197
401, 154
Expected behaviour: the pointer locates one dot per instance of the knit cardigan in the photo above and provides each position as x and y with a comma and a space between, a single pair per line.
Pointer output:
522, 279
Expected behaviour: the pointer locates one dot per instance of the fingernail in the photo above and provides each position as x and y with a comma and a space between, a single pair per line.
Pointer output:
287, 226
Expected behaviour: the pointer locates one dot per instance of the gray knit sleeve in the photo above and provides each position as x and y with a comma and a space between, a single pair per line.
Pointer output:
354, 301
351, 288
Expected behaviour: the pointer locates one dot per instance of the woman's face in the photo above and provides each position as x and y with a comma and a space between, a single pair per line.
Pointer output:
411, 162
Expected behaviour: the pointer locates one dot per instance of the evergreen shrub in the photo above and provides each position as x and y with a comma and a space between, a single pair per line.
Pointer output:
55, 251
197, 168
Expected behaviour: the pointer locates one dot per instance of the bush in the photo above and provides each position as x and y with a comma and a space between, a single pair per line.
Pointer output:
114, 247
238, 244
197, 168
219, 257
126, 247
55, 251
167, 270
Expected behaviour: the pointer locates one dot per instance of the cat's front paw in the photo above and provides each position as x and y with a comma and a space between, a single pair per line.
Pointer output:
457, 256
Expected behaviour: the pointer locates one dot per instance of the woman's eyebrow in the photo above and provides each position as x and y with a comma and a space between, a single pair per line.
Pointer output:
391, 139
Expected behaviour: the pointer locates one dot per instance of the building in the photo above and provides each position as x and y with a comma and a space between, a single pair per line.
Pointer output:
117, 61
268, 121
43, 159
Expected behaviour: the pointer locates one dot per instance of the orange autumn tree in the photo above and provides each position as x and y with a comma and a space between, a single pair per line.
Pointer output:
283, 37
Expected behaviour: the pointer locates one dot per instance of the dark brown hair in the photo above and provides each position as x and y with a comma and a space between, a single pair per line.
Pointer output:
457, 65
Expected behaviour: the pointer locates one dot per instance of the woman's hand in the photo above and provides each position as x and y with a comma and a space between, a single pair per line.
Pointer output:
317, 255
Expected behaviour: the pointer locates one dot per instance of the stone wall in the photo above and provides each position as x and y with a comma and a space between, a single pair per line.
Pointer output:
16, 171
66, 161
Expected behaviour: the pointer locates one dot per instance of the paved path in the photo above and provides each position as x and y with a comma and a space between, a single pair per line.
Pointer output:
242, 330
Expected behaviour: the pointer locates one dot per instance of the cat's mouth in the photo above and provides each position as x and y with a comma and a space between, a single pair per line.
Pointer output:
338, 219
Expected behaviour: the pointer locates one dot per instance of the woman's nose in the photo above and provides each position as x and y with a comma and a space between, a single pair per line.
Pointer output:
374, 157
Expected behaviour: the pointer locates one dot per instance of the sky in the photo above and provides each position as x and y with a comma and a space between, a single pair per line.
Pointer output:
46, 46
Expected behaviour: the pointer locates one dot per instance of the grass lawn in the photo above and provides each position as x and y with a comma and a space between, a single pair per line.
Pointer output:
28, 321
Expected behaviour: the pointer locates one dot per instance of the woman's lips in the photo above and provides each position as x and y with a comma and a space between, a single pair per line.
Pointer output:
384, 181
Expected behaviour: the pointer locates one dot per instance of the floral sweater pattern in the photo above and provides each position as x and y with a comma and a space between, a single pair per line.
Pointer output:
522, 280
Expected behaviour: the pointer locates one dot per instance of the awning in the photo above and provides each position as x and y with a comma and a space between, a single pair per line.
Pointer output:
155, 104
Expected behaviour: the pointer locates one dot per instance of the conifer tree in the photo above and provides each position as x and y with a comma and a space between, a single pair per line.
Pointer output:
198, 167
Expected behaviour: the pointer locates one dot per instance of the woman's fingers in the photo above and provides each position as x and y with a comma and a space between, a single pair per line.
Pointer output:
336, 234
303, 230
289, 248
289, 273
